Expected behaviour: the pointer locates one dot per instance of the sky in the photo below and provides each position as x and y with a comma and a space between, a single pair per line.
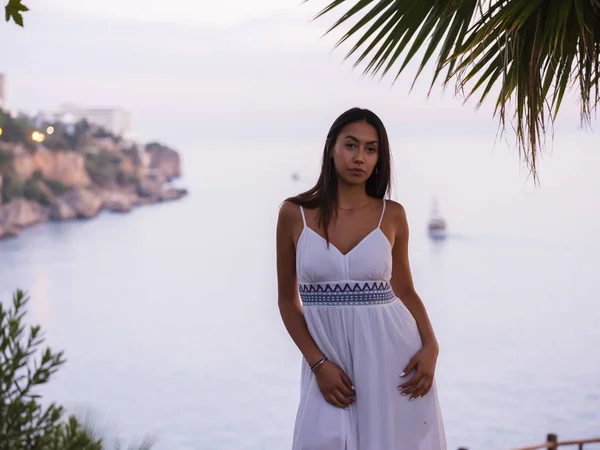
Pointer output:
260, 70
191, 12
259, 74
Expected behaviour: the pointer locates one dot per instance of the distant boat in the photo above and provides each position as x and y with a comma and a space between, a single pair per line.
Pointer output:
295, 176
437, 225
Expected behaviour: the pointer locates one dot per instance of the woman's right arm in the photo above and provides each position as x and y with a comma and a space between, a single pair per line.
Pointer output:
334, 384
290, 306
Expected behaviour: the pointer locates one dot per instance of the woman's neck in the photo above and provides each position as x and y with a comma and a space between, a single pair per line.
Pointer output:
351, 195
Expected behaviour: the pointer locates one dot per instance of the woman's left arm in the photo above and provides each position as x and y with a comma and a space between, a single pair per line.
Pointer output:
424, 361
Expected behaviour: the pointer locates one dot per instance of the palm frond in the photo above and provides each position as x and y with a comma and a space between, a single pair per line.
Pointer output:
533, 51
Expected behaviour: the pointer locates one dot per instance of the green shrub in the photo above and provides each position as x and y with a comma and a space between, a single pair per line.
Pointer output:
134, 153
38, 175
6, 158
32, 190
16, 130
25, 365
103, 167
153, 146
57, 187
12, 187
127, 178
57, 141
79, 135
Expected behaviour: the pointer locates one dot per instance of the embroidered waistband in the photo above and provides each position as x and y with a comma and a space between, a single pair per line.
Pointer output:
346, 293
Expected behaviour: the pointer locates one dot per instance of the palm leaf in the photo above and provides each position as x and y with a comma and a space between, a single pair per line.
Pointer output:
532, 51
13, 10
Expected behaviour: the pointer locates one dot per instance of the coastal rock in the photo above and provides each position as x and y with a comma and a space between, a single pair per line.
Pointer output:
45, 191
22, 213
150, 188
173, 194
118, 201
61, 210
79, 178
142, 201
105, 144
128, 170
83, 202
163, 161
66, 167
6, 232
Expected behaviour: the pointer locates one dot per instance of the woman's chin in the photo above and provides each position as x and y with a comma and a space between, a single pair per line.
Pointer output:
353, 181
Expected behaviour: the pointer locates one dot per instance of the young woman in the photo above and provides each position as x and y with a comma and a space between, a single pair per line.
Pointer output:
347, 299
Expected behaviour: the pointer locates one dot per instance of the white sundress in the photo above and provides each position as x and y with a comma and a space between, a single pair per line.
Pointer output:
358, 322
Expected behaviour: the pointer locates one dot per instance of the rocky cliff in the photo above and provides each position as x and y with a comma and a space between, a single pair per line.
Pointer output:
66, 167
53, 180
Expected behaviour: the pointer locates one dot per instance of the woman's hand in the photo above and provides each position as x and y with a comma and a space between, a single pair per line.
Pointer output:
424, 362
335, 385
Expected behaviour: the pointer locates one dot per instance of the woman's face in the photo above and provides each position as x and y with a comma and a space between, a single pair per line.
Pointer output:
356, 152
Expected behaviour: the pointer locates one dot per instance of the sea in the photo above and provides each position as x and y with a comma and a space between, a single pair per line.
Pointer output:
168, 315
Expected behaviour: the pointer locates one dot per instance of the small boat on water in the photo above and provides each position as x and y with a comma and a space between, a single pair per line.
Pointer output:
437, 225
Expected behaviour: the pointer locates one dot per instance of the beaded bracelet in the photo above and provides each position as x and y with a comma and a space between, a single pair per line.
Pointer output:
317, 365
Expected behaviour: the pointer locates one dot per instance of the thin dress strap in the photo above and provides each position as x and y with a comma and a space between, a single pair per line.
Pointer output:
382, 212
303, 216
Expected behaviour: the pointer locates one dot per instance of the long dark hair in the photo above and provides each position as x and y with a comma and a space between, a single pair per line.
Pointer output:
324, 194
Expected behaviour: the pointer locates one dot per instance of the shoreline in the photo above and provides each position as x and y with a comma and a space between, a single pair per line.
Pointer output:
76, 205
71, 172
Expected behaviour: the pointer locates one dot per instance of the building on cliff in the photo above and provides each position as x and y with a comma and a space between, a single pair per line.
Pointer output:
114, 120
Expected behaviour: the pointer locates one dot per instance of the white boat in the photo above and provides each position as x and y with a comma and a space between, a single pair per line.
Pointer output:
437, 225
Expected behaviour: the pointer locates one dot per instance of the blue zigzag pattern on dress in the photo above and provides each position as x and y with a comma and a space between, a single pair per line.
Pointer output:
347, 287
355, 293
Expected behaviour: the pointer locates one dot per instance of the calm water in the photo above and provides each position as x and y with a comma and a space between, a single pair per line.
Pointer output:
169, 321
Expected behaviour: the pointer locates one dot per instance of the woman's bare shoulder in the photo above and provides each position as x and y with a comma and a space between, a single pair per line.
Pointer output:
395, 209
289, 222
289, 213
397, 217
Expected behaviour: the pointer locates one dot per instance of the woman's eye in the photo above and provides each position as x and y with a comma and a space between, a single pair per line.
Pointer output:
349, 145
372, 150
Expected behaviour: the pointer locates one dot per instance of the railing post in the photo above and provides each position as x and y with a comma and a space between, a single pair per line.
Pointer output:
463, 448
552, 440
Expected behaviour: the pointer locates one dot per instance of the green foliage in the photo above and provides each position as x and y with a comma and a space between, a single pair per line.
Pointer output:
13, 11
16, 130
37, 175
57, 141
56, 187
25, 365
154, 146
532, 50
103, 167
127, 178
33, 190
106, 168
101, 133
133, 152
12, 187
6, 158
145, 444
13, 130
71, 435
78, 136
